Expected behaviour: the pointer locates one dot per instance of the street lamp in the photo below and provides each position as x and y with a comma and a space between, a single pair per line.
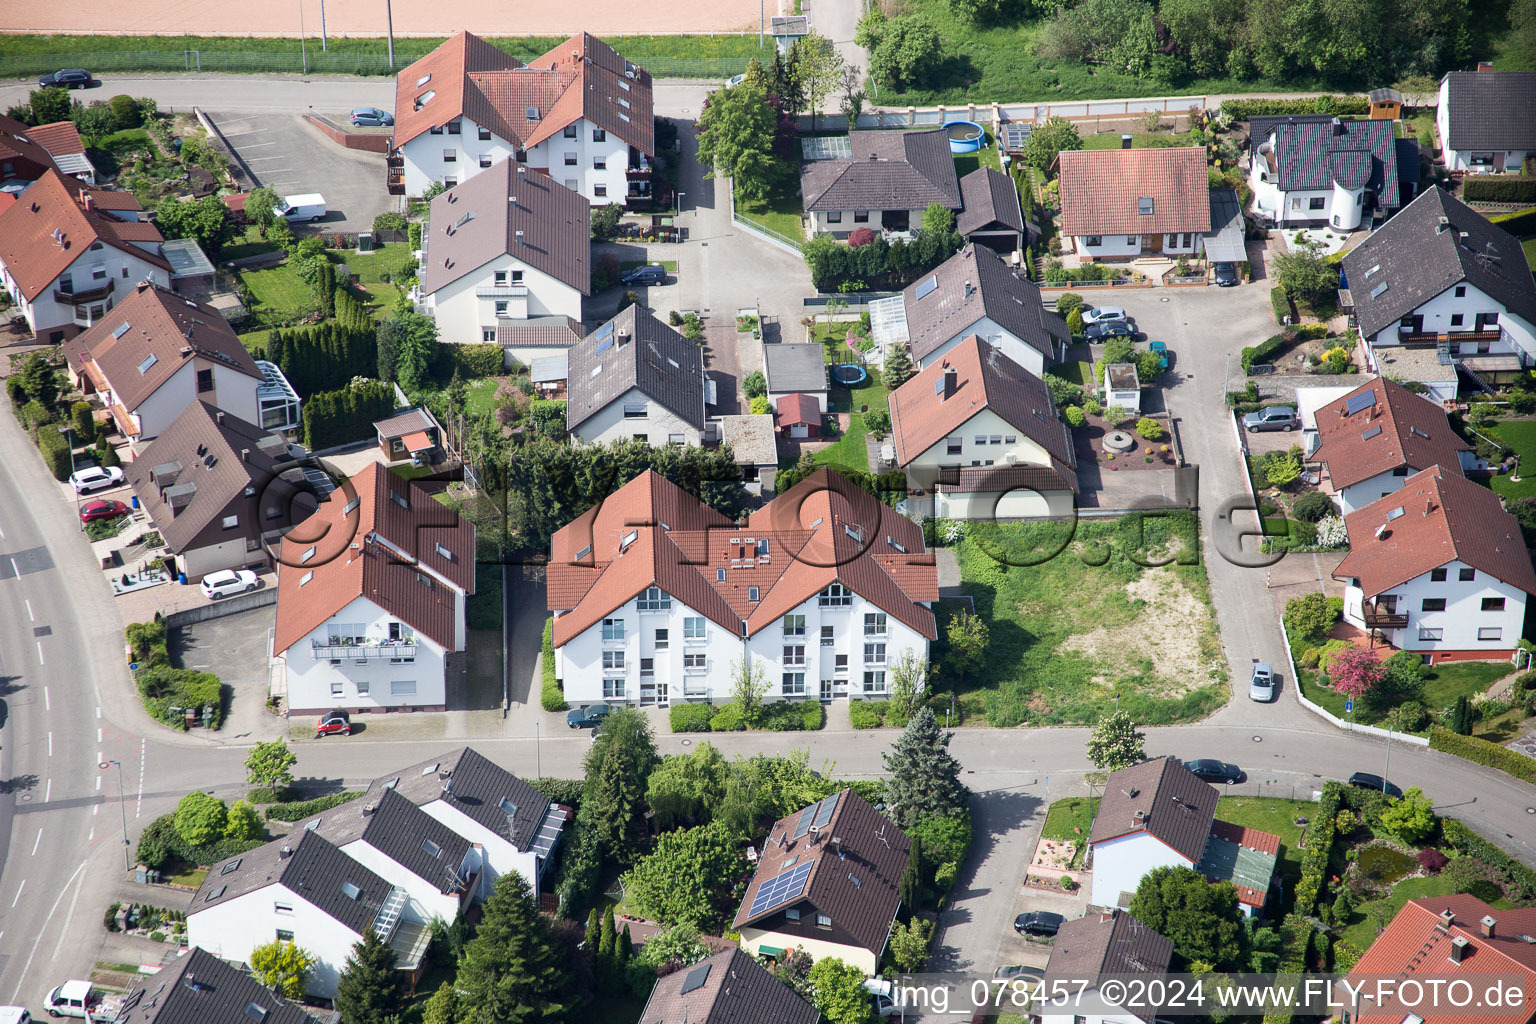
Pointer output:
1387, 767
68, 431
104, 765
680, 203
1226, 380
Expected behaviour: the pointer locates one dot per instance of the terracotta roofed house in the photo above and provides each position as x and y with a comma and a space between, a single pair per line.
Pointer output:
635, 377
1484, 120
1123, 203
22, 156
1104, 945
580, 113
798, 415
505, 246
982, 432
1372, 439
727, 988
370, 598
826, 882
62, 141
1439, 568
889, 179
1157, 814
658, 598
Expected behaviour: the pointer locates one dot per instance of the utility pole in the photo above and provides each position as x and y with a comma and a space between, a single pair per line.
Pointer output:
303, 49
322, 26
121, 805
389, 24
1392, 725
760, 24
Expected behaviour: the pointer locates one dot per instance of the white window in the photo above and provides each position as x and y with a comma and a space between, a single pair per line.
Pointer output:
613, 689
485, 159
874, 682
362, 686
794, 656
501, 308
874, 654
613, 629
230, 522
599, 190
654, 599
1426, 633
794, 625
662, 640
794, 684
827, 636
980, 439
823, 921
953, 445
1490, 633
450, 156
752, 593
402, 687
499, 278
613, 661
835, 596
634, 412
335, 689
693, 627
874, 623
693, 663
283, 908
488, 334
599, 164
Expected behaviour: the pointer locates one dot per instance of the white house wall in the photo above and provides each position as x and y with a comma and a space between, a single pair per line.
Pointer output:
1120, 864
987, 506
228, 554
231, 929
659, 425
923, 471
1093, 1016
1463, 617
1110, 247
425, 164
500, 855
1026, 355
462, 316
753, 939
1517, 335
427, 900
125, 269
233, 392
1360, 494
822, 223
310, 679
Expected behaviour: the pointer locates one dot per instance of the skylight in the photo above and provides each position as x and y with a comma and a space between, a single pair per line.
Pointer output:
429, 769
444, 552
927, 286
1396, 513
508, 807
1370, 433
423, 99
306, 577
432, 849
469, 215
351, 891
1376, 292
149, 360
233, 865
1373, 270
629, 538
424, 79
1144, 206
122, 329
533, 113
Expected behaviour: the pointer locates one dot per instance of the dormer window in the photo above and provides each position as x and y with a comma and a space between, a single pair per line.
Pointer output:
1144, 206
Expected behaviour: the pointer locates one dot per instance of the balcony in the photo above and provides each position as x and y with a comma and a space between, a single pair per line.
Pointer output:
1410, 338
394, 175
67, 296
502, 291
1379, 617
390, 649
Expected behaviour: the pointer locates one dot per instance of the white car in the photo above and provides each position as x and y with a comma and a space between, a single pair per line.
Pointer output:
229, 581
731, 83
1101, 314
96, 478
1261, 685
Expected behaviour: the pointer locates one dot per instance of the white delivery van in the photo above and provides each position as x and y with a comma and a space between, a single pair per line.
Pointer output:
83, 1000
310, 206
14, 1015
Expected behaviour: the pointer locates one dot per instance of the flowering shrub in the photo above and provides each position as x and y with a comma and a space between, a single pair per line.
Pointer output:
1331, 532
1355, 672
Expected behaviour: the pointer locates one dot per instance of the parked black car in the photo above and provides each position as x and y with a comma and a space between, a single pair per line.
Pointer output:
1110, 329
651, 273
1037, 922
1211, 770
68, 78
1226, 275
592, 714
1365, 780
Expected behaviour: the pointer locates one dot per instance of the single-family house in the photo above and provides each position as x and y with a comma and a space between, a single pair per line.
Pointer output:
410, 434
196, 986
221, 491
504, 246
990, 213
580, 114
159, 353
1372, 439
62, 141
370, 599
827, 883
1315, 170
798, 415
1443, 944
823, 590
69, 253
1484, 120
1101, 945
1439, 568
523, 342
1158, 814
727, 988
796, 369
974, 292
1441, 276
885, 182
23, 158
1309, 400
1124, 203
982, 432
635, 377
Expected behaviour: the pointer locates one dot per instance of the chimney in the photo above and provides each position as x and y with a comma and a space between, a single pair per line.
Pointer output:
368, 809
1440, 228
245, 455
521, 170
1460, 945
512, 200
285, 852
1429, 507
1447, 918
219, 416
1139, 818
90, 203
1487, 925
1125, 142
1337, 126
951, 379
520, 237
1485, 65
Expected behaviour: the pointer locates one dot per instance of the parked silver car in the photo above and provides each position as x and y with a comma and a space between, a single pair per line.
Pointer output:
1276, 417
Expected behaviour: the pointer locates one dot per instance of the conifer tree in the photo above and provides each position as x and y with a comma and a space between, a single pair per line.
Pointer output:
512, 971
924, 777
370, 989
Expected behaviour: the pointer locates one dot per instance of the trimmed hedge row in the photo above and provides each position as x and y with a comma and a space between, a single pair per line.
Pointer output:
551, 697
470, 360
780, 716
690, 717
1276, 345
304, 808
1242, 110
1314, 859
1482, 752
1516, 224
1498, 188
561, 791
1521, 879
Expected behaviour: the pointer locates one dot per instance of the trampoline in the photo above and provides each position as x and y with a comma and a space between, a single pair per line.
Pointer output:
849, 375
964, 136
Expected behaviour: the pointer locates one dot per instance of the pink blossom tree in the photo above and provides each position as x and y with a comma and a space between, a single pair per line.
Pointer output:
1355, 672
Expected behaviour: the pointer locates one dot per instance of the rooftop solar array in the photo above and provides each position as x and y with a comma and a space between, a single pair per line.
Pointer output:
1358, 402
696, 978
782, 888
816, 815
826, 147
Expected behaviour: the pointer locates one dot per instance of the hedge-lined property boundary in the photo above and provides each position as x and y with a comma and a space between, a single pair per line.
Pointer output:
1483, 752
1314, 858
304, 808
1498, 188
1242, 110
551, 697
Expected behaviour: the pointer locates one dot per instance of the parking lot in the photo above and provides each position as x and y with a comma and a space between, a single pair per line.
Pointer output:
291, 156
234, 648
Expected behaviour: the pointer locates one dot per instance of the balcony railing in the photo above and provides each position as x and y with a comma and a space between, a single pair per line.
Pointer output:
65, 296
1428, 338
1381, 618
394, 175
362, 652
502, 291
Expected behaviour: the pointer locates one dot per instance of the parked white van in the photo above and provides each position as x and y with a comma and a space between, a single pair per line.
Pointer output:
14, 1015
310, 206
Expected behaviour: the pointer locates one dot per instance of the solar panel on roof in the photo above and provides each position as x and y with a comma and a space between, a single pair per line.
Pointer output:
696, 978
1372, 432
1358, 402
829, 805
803, 823
780, 889
925, 287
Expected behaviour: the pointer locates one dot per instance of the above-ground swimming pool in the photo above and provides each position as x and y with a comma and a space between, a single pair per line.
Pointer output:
964, 136
849, 375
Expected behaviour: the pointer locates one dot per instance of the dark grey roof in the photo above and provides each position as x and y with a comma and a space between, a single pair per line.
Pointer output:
479, 786
730, 987
477, 221
795, 367
316, 869
1419, 258
635, 350
1312, 151
888, 171
1225, 242
991, 201
199, 988
1384, 96
1490, 110
946, 311
1408, 161
402, 831
1111, 944
539, 332
407, 422
1175, 806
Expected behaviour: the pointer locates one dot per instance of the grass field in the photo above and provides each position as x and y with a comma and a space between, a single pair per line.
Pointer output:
1442, 685
1361, 931
1529, 245
1078, 371
669, 265
248, 244
987, 156
280, 294
780, 213
1520, 437
1139, 140
849, 450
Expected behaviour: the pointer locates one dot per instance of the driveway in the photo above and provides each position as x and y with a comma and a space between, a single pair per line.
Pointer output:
291, 156
234, 648
723, 364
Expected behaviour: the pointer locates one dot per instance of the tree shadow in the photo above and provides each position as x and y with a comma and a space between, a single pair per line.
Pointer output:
995, 816
10, 685
18, 783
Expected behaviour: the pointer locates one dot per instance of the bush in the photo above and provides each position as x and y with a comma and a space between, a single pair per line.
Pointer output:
878, 421
162, 688
1312, 506
560, 791
1518, 878
1074, 416
690, 717
727, 719
1432, 861
414, 231
759, 405
782, 716
1068, 303
867, 714
1149, 428
468, 361
1498, 188
812, 715
754, 384
551, 697
55, 449
301, 809
1517, 224
1243, 109
1482, 752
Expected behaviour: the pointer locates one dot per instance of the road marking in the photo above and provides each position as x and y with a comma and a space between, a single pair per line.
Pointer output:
2, 537
50, 743
98, 711
39, 839
64, 931
40, 658
98, 737
48, 791
90, 839
98, 783
248, 131
95, 808
47, 701
255, 145
19, 889
143, 757
30, 617
14, 570
25, 967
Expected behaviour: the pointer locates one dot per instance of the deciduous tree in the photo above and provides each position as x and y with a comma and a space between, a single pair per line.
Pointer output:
736, 133
749, 685
205, 221
1411, 817
840, 994
1202, 919
967, 634
283, 967
242, 821
688, 878
1354, 671
685, 789
1046, 141
1305, 273
907, 53
818, 66
1308, 618
1116, 743
270, 764
200, 818
260, 207
924, 777
49, 104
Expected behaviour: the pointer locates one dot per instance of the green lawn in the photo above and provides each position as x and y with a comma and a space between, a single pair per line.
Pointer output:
1065, 815
1442, 685
481, 392
1276, 816
669, 265
1139, 139
250, 243
779, 213
987, 156
254, 339
1361, 932
280, 294
1078, 371
1529, 245
371, 267
849, 450
1520, 437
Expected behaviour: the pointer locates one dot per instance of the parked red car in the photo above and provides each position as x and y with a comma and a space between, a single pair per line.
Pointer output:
102, 508
334, 723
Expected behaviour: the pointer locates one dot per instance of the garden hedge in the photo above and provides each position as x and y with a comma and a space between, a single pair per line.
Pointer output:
469, 360
1520, 878
1498, 188
867, 714
1314, 858
1516, 224
163, 688
690, 717
1280, 303
551, 697
1483, 752
301, 809
561, 791
1243, 109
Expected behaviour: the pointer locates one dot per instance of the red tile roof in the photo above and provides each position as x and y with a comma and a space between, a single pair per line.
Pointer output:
823, 530
582, 77
57, 138
1414, 432
374, 549
17, 143
796, 409
1101, 190
29, 249
1445, 518
1418, 943
1242, 835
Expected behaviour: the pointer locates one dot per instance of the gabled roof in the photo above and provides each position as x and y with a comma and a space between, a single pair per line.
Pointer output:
479, 220
402, 423
552, 332
972, 284
309, 866
17, 142
1135, 191
796, 410
1434, 243
983, 378
367, 545
1380, 426
730, 987
160, 324
990, 201
414, 839
478, 788
198, 988
32, 253
1313, 151
583, 77
58, 138
1417, 946
795, 367
209, 459
1113, 943
1161, 798
858, 889
888, 171
824, 530
635, 351
1490, 110
1243, 857
1437, 518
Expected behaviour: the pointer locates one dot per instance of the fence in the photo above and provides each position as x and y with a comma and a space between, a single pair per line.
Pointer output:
297, 61
790, 245
933, 117
1406, 737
